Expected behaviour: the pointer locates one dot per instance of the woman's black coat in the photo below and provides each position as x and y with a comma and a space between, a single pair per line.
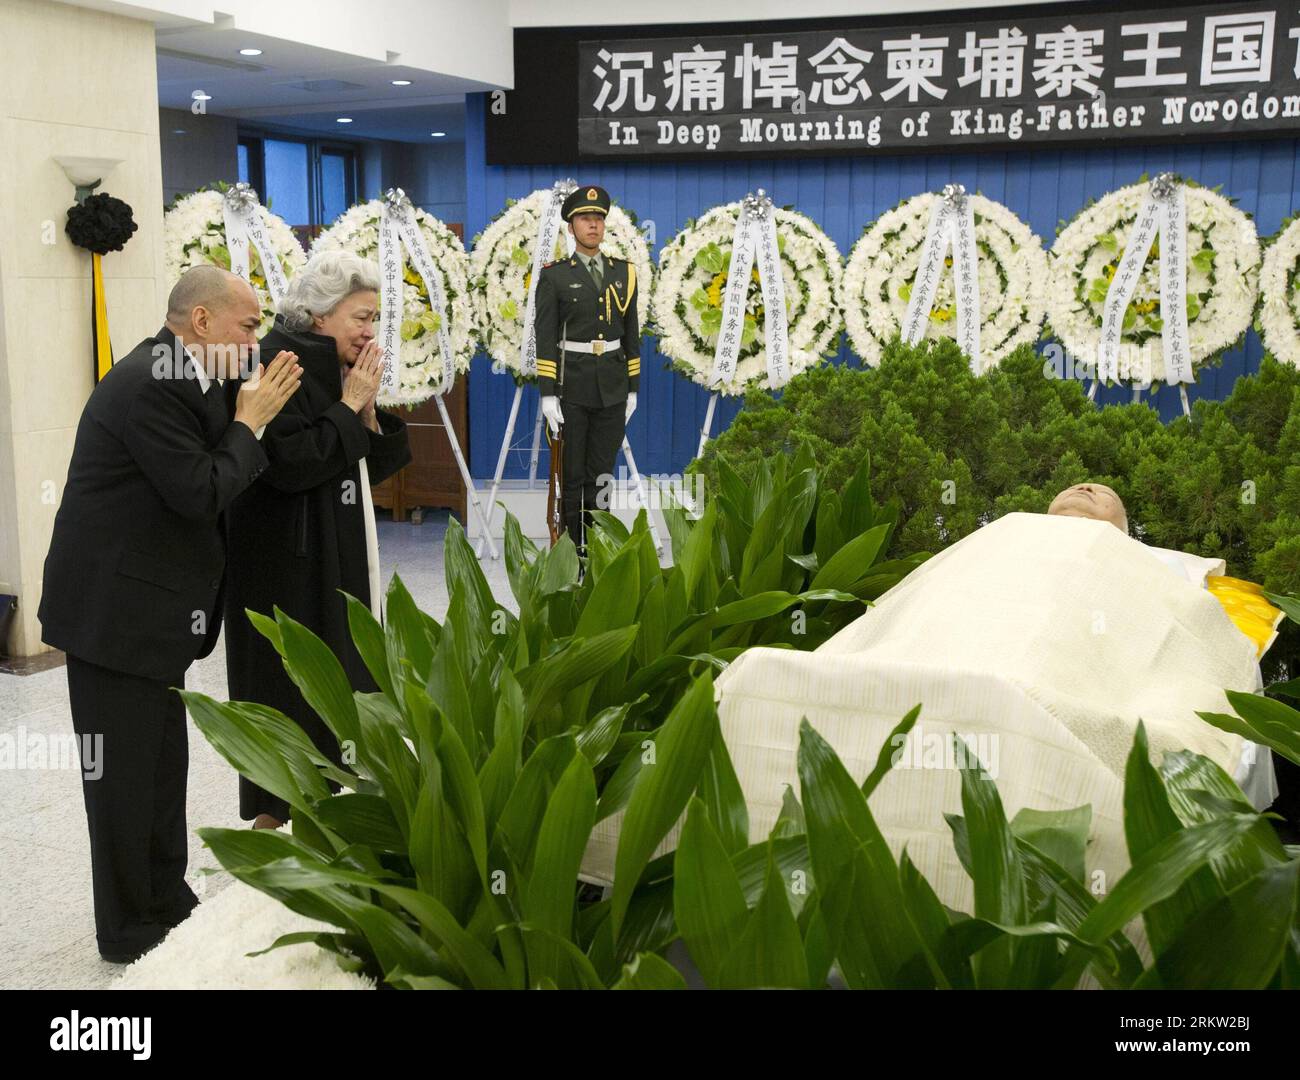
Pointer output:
297, 537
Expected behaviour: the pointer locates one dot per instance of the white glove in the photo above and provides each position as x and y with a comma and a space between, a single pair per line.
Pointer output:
631, 406
551, 410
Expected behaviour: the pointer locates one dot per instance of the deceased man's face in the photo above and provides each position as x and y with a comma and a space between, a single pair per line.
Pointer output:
1095, 501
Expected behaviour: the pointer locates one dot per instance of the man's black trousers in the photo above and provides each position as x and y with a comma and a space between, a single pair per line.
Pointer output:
592, 438
136, 807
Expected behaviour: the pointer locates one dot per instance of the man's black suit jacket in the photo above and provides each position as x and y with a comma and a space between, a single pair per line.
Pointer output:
134, 572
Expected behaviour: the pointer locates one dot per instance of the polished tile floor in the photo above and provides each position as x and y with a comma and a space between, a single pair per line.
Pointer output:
47, 932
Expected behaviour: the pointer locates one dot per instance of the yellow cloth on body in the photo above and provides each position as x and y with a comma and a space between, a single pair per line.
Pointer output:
1248, 608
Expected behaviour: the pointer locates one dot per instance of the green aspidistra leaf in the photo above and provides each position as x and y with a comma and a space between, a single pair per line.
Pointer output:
663, 788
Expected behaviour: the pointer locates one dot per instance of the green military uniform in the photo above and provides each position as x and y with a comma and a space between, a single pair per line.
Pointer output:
592, 385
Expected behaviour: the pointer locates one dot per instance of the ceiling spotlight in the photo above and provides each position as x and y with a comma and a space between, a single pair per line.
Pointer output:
250, 52
178, 131
401, 82
199, 95
344, 120
437, 134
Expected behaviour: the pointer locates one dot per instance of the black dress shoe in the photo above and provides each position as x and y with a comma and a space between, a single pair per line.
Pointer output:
175, 912
173, 919
129, 954
120, 957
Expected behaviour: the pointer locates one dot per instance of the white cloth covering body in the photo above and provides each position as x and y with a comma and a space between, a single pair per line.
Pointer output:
1042, 640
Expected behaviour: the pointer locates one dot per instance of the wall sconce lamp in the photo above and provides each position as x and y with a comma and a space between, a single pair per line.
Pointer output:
86, 173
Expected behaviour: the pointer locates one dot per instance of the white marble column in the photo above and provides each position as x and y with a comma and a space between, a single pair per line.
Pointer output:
74, 82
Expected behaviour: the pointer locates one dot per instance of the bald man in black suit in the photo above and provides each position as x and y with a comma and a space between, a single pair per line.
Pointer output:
133, 580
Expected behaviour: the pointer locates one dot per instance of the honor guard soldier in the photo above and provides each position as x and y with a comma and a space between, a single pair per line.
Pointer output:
588, 355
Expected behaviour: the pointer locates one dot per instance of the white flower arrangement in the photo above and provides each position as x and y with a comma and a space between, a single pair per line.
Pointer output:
1223, 258
1279, 298
357, 231
194, 234
690, 289
501, 267
882, 266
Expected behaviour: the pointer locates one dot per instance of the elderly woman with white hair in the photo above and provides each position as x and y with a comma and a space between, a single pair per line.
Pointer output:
304, 533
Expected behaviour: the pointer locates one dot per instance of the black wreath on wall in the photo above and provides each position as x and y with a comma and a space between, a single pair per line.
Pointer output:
101, 224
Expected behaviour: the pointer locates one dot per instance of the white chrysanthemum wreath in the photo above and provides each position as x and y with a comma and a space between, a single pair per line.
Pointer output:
357, 230
1278, 322
883, 264
194, 234
1223, 258
501, 267
691, 286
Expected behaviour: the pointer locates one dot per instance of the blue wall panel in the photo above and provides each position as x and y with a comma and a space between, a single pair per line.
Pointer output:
843, 195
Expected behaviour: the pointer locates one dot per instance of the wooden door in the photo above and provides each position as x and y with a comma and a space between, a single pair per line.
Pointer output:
432, 479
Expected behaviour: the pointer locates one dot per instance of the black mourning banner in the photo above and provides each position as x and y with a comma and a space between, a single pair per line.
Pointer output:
1000, 80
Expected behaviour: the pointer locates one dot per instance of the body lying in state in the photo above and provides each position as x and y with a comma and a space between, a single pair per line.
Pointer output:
1042, 640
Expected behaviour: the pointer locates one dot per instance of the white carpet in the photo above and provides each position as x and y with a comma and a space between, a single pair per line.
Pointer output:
208, 951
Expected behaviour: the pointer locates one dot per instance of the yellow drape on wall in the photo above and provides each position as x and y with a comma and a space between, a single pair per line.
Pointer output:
102, 347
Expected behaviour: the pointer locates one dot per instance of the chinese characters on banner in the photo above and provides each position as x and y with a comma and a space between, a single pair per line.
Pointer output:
1223, 69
